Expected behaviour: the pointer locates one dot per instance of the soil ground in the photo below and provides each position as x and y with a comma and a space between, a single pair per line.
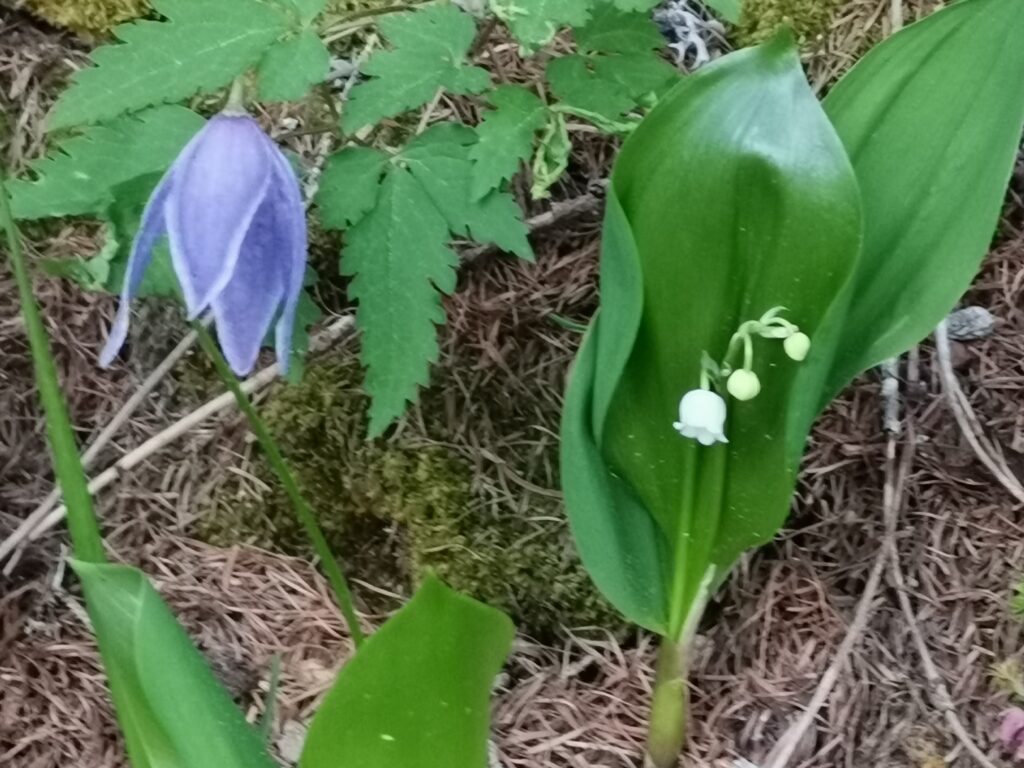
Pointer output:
769, 636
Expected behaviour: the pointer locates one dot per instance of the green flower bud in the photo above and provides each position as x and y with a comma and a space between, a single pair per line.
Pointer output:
743, 384
797, 346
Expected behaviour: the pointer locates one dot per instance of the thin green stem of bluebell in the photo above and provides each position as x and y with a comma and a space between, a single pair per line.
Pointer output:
303, 511
86, 540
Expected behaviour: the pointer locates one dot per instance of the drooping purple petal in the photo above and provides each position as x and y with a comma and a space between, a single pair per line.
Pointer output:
221, 182
293, 255
244, 310
151, 229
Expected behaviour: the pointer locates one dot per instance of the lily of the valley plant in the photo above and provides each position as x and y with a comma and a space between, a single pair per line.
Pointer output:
760, 249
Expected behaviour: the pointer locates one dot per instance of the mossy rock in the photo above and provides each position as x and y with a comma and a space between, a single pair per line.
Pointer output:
809, 19
394, 510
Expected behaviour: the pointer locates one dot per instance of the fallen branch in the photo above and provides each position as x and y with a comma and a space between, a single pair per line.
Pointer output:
126, 463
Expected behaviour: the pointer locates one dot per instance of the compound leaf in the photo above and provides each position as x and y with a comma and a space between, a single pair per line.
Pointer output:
506, 136
78, 175
429, 48
200, 47
613, 30
536, 22
349, 186
291, 67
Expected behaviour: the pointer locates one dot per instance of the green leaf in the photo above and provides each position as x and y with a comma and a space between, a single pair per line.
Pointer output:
551, 158
644, 77
932, 121
536, 22
292, 67
172, 710
574, 82
506, 136
349, 186
200, 47
308, 9
417, 695
440, 160
123, 217
429, 48
397, 249
78, 175
730, 10
639, 6
399, 259
612, 30
732, 197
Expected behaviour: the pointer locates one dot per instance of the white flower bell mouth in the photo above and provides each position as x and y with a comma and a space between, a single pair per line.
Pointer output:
702, 417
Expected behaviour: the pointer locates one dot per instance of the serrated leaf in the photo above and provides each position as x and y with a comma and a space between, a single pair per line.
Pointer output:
730, 10
535, 22
644, 77
308, 9
122, 218
576, 84
200, 47
349, 186
637, 6
292, 67
551, 157
612, 30
440, 161
417, 693
505, 137
77, 176
429, 48
399, 258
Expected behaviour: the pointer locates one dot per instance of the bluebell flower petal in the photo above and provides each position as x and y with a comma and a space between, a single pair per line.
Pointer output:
221, 181
244, 310
151, 229
292, 256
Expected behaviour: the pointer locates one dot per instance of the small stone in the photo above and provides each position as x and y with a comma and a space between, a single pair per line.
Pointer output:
291, 741
970, 323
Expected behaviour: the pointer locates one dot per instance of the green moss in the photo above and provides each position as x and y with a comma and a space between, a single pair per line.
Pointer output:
393, 510
809, 19
88, 17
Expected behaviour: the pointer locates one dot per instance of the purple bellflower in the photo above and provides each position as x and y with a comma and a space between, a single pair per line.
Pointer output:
232, 210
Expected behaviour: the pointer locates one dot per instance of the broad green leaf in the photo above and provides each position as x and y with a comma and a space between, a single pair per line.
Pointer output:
349, 186
417, 695
429, 48
172, 710
732, 197
931, 119
77, 176
292, 67
399, 258
536, 22
506, 136
200, 47
551, 157
612, 30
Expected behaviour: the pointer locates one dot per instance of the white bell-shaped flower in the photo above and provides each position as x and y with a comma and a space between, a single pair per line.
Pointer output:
702, 417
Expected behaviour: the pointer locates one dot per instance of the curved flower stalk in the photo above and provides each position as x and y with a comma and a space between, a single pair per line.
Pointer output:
737, 195
232, 210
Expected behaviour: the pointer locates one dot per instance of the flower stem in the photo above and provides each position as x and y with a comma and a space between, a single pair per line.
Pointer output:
82, 524
668, 706
291, 487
